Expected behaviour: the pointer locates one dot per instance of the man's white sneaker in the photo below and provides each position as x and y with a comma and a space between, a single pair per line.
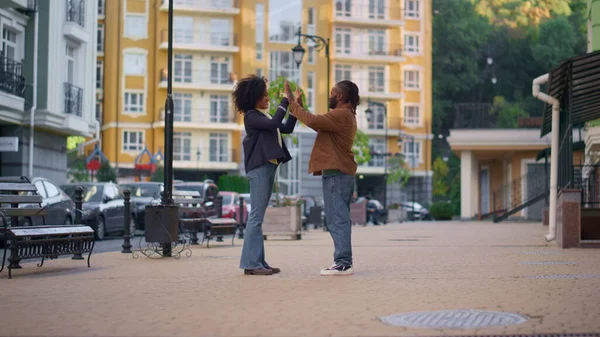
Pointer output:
337, 270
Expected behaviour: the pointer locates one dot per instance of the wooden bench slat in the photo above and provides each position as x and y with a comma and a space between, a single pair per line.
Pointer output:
187, 201
183, 193
16, 187
222, 221
49, 231
13, 179
21, 199
24, 211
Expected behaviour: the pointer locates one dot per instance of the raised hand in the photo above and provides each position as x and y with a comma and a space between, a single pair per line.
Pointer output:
288, 91
298, 95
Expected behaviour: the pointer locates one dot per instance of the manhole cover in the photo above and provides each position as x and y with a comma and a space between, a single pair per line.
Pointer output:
547, 262
454, 319
404, 240
541, 253
565, 276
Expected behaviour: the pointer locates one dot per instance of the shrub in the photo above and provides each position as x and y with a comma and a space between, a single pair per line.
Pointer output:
441, 210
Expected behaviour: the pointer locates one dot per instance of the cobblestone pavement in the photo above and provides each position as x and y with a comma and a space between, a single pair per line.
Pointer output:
399, 268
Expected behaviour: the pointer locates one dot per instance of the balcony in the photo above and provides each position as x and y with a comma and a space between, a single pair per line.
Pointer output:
73, 100
489, 116
75, 22
377, 127
195, 40
207, 158
216, 7
195, 79
376, 87
12, 85
346, 12
204, 119
369, 52
24, 6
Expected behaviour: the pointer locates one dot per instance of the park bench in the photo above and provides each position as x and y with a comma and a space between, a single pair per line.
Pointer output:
217, 226
33, 242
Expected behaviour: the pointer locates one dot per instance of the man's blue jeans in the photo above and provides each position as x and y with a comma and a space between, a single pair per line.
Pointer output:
262, 180
337, 195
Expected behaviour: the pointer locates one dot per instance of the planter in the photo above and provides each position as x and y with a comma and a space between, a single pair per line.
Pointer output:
283, 221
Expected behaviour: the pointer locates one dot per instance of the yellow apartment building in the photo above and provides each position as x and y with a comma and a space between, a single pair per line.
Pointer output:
382, 45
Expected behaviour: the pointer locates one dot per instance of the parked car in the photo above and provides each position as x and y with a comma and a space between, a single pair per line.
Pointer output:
246, 197
231, 205
208, 192
60, 209
103, 207
144, 193
415, 211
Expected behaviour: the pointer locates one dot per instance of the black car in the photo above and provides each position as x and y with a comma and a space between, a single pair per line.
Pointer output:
60, 209
208, 192
103, 207
144, 193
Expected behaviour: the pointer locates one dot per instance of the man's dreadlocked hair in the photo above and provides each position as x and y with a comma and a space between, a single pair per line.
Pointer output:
248, 91
350, 91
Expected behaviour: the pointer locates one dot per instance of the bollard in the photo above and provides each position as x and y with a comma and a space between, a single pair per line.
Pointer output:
126, 235
218, 203
241, 223
78, 216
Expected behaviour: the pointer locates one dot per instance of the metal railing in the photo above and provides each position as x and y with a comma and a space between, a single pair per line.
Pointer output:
202, 154
512, 195
587, 179
487, 116
368, 49
73, 100
346, 9
200, 116
197, 76
198, 38
76, 12
205, 4
11, 77
372, 84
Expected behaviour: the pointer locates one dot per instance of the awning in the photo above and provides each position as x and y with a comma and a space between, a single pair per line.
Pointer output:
577, 146
579, 78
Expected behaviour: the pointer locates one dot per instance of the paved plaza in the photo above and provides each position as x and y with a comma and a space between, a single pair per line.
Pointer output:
400, 268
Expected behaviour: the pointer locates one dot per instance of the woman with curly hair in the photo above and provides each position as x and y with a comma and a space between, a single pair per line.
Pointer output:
264, 150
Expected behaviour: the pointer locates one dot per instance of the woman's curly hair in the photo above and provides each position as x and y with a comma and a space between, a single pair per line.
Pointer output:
247, 92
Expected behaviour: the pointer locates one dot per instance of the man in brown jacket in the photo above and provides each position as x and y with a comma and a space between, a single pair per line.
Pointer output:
333, 158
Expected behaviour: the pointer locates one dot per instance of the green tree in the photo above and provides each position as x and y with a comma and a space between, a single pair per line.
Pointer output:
521, 13
440, 178
73, 141
158, 175
397, 171
77, 171
106, 173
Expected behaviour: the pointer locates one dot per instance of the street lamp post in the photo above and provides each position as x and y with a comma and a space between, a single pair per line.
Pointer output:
320, 44
370, 116
412, 159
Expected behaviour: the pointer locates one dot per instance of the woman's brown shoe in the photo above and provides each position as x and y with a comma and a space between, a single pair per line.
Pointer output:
258, 272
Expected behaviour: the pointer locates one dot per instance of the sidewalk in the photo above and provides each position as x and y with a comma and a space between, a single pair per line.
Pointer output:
400, 268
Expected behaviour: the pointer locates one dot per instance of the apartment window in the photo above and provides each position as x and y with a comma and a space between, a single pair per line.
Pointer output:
221, 32
99, 111
218, 147
377, 120
412, 8
411, 79
183, 69
376, 79
133, 140
101, 8
412, 152
182, 146
282, 64
181, 30
411, 43
136, 26
219, 108
182, 107
70, 56
219, 70
343, 40
311, 29
9, 44
311, 55
343, 8
412, 115
100, 38
377, 147
376, 41
99, 74
134, 64
133, 102
259, 72
310, 89
260, 31
283, 27
376, 9
343, 72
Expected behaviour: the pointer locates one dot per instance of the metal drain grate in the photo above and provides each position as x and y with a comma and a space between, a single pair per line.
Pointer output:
220, 257
404, 240
548, 263
454, 319
564, 276
541, 253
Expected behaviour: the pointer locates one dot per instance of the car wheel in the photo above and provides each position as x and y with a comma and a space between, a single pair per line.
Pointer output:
100, 231
68, 221
132, 226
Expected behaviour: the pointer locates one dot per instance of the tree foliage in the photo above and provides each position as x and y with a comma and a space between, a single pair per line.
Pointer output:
106, 173
521, 13
233, 183
440, 178
158, 175
77, 171
397, 171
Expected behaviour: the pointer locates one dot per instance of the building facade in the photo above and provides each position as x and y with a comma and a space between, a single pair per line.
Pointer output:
48, 50
384, 46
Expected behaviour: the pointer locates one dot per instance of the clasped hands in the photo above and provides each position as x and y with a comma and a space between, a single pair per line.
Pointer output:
290, 96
